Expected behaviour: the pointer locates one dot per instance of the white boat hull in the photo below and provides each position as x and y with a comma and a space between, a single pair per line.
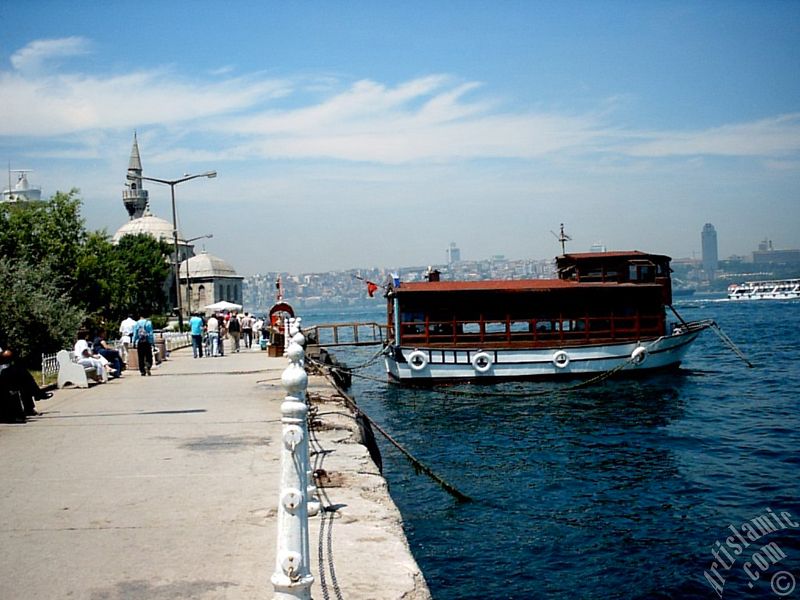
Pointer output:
429, 365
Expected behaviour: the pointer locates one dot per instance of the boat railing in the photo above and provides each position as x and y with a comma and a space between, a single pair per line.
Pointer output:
347, 334
530, 331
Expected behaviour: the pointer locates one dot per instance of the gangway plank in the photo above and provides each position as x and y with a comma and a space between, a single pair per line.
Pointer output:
347, 334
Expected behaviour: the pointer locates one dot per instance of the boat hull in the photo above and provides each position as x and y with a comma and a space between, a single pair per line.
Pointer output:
441, 365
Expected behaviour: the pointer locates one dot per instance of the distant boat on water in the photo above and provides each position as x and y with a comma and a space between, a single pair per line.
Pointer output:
22, 191
776, 289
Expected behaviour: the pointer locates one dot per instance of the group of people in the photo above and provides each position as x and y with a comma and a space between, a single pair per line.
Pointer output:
211, 334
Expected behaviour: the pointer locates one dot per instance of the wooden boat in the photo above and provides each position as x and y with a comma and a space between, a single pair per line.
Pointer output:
606, 311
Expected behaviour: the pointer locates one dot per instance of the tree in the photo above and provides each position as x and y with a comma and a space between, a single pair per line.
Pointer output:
38, 316
39, 232
55, 275
144, 264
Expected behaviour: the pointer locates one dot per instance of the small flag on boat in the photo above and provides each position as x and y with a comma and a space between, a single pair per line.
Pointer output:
371, 288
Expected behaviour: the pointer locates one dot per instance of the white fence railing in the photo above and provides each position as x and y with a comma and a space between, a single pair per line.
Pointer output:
172, 340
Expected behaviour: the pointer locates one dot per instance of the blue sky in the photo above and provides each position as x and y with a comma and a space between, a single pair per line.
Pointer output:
360, 134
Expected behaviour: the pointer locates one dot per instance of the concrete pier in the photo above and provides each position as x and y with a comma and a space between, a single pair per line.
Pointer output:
166, 487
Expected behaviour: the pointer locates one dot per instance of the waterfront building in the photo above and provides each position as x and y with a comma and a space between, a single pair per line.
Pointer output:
766, 254
598, 247
708, 239
453, 254
206, 279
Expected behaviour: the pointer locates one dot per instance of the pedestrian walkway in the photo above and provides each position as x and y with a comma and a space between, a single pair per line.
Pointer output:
165, 487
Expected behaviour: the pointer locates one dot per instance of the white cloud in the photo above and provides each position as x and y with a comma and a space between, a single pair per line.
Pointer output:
436, 118
61, 104
33, 56
776, 136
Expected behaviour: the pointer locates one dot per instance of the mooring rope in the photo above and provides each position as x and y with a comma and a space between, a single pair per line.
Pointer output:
729, 343
418, 465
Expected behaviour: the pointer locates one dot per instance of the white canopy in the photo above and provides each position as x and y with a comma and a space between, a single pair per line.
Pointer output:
224, 305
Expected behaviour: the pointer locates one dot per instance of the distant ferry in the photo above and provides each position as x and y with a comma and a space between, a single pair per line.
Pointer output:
604, 313
777, 289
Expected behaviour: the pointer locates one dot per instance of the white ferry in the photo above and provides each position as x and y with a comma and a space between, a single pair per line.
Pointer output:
604, 312
777, 289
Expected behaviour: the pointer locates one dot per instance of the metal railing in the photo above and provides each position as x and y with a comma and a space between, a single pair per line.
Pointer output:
347, 334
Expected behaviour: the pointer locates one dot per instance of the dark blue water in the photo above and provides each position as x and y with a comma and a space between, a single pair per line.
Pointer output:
615, 491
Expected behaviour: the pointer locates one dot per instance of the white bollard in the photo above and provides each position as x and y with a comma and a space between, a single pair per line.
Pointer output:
292, 578
313, 504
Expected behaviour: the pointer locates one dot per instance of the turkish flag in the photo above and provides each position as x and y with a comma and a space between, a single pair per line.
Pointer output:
371, 289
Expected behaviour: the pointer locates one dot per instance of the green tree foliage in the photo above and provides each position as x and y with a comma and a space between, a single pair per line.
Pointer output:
37, 315
144, 264
51, 232
54, 275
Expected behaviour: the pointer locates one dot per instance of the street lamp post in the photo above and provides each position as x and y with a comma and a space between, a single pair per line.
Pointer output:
188, 275
172, 183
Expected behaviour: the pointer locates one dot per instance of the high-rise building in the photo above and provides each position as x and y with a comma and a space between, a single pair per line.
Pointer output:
453, 254
708, 239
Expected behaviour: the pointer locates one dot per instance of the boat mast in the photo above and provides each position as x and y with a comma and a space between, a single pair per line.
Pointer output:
562, 238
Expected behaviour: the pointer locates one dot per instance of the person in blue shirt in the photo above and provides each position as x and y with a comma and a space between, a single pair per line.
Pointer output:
196, 324
143, 339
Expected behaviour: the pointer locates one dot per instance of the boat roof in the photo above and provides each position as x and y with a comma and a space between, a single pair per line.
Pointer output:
509, 285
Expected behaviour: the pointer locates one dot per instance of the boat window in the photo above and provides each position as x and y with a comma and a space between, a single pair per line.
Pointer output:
520, 327
471, 328
495, 327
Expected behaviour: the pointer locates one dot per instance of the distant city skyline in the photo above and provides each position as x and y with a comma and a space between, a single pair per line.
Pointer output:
351, 135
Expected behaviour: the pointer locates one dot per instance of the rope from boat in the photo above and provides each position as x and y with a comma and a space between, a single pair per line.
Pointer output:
729, 343
419, 466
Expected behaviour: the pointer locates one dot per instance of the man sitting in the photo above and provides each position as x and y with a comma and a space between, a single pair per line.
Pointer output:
101, 348
18, 390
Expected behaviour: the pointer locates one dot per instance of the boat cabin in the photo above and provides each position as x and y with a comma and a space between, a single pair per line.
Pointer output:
597, 298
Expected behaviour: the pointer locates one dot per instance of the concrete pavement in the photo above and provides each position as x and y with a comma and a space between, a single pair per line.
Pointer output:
165, 487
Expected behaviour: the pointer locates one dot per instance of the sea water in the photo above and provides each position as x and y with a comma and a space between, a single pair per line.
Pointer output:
627, 489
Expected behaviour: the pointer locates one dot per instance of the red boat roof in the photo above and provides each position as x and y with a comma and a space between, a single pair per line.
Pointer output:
612, 254
507, 285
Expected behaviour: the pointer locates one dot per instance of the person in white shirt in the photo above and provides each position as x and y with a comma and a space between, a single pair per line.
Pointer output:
125, 333
212, 326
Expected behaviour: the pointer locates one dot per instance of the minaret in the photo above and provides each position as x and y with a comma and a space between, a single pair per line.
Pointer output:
134, 196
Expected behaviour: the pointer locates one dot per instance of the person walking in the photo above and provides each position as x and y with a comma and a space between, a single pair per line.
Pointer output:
235, 331
196, 326
213, 335
143, 339
247, 330
126, 336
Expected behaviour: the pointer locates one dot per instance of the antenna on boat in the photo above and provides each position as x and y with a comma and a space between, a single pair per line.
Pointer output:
562, 238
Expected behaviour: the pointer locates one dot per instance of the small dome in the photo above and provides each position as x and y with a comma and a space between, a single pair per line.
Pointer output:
147, 223
206, 265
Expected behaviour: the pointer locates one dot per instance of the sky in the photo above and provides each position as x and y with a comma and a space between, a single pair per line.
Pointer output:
372, 134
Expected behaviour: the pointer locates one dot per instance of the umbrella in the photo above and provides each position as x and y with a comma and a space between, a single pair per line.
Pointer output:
224, 305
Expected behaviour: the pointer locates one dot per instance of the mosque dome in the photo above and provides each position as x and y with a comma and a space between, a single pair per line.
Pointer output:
148, 224
206, 265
